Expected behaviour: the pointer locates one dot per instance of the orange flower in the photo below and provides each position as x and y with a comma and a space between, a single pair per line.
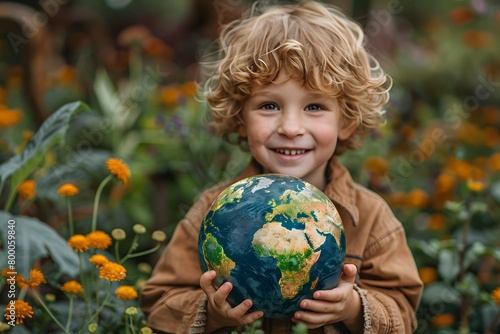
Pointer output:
170, 96
437, 222
72, 287
68, 190
79, 243
474, 185
443, 320
491, 136
9, 117
99, 239
495, 295
495, 162
113, 271
36, 278
418, 198
155, 47
18, 310
427, 274
189, 88
477, 38
119, 169
66, 75
376, 165
126, 292
3, 96
27, 189
461, 15
98, 260
445, 182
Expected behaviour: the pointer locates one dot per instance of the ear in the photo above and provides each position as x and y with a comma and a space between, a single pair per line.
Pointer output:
348, 128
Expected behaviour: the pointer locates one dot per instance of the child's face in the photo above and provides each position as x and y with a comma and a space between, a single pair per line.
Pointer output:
292, 130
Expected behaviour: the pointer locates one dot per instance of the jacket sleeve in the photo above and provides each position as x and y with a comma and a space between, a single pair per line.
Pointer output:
389, 284
172, 298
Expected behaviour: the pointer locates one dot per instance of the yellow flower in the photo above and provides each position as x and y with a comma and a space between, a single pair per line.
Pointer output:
99, 239
18, 310
72, 287
474, 185
98, 260
131, 311
79, 243
126, 292
68, 189
27, 189
427, 274
495, 295
9, 117
113, 271
119, 169
146, 330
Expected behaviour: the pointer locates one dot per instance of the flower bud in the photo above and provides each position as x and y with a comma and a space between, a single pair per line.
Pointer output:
118, 234
139, 229
159, 236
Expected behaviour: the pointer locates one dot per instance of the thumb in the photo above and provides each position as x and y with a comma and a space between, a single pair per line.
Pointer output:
348, 274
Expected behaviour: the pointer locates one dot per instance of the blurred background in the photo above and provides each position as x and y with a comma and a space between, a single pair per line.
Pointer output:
135, 63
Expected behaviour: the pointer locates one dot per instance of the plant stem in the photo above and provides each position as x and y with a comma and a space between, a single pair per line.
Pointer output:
70, 313
50, 313
70, 218
98, 310
464, 307
117, 253
96, 200
131, 249
10, 200
149, 251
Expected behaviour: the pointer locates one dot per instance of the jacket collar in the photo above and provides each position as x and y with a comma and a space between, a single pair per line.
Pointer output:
340, 188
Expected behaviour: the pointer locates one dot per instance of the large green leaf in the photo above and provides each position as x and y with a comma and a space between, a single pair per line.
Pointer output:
35, 240
50, 133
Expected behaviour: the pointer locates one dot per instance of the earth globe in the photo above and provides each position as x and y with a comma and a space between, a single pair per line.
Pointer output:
276, 238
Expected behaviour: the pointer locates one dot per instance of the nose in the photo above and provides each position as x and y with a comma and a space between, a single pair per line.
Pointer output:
291, 124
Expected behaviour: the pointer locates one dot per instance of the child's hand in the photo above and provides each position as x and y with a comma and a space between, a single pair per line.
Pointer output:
341, 304
220, 313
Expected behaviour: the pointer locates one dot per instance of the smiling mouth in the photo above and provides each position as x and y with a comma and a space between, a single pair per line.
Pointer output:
290, 152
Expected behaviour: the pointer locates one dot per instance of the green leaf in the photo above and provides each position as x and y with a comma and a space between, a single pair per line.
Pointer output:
34, 240
476, 250
50, 133
448, 264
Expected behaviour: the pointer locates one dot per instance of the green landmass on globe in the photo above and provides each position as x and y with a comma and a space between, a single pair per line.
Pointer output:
276, 238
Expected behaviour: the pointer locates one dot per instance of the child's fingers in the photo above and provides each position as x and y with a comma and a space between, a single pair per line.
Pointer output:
221, 294
239, 312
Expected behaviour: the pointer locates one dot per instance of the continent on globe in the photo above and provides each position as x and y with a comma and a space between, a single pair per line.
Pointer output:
276, 238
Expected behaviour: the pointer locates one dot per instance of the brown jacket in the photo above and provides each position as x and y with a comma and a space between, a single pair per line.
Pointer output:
388, 283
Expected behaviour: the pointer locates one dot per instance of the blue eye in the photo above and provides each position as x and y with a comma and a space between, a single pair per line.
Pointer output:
269, 106
314, 107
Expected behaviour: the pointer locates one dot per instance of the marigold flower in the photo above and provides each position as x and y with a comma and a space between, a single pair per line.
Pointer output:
376, 165
68, 190
155, 47
495, 295
36, 278
474, 185
427, 274
66, 75
417, 198
126, 292
170, 96
72, 287
119, 169
445, 182
189, 88
20, 311
495, 162
27, 189
98, 260
9, 117
461, 15
159, 236
436, 222
113, 271
79, 243
443, 320
99, 239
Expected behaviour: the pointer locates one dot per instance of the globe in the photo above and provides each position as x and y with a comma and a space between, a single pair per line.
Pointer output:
276, 238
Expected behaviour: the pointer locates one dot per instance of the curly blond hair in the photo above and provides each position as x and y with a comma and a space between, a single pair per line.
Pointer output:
311, 42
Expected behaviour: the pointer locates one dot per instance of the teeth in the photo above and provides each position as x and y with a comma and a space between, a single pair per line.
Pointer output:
290, 152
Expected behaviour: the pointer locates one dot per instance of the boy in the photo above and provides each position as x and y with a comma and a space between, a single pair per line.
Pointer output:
297, 88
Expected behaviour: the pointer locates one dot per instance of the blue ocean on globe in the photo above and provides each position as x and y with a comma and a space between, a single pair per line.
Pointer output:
276, 238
